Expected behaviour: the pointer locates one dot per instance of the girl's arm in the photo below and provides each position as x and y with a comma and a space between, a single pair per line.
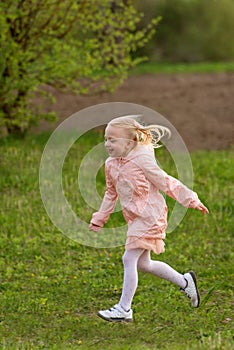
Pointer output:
107, 207
171, 186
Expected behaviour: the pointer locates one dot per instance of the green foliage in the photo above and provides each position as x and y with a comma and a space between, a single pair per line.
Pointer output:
52, 287
82, 46
191, 30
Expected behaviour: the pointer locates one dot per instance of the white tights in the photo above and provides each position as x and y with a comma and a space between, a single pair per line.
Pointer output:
139, 259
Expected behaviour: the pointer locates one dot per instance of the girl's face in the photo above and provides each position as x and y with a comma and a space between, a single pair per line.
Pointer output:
117, 141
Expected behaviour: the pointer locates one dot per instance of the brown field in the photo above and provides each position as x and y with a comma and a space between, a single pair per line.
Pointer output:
200, 106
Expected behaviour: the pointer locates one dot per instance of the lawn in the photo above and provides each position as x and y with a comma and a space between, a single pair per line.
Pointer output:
52, 287
172, 68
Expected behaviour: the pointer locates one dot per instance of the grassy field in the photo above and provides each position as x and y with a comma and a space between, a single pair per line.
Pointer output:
51, 287
170, 68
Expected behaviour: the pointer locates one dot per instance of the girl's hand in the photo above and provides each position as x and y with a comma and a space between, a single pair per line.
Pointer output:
94, 228
202, 208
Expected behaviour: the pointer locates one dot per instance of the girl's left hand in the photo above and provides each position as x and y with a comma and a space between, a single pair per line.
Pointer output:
202, 208
94, 228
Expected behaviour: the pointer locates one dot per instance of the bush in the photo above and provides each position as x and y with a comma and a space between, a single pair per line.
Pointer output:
79, 45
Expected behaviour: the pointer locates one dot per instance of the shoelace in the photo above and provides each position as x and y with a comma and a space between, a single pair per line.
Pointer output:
184, 290
186, 293
115, 310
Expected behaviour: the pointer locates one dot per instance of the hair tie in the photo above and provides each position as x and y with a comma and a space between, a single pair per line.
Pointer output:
137, 126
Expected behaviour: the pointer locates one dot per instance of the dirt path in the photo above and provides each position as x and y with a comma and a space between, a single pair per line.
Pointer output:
200, 106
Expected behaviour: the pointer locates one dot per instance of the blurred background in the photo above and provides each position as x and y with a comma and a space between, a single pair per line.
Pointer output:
190, 30
174, 56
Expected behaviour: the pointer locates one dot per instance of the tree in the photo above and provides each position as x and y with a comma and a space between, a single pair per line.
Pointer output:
85, 46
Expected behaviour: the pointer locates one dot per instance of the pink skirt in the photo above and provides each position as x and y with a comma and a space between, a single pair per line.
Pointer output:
157, 245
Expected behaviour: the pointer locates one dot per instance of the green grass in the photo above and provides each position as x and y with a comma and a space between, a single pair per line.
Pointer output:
170, 68
52, 287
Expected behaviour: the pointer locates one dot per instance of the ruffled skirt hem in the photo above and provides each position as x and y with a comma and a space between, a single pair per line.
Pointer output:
157, 245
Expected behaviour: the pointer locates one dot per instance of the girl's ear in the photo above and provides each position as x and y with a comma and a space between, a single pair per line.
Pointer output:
132, 143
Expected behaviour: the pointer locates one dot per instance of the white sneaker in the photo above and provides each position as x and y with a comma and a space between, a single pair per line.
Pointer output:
191, 288
116, 314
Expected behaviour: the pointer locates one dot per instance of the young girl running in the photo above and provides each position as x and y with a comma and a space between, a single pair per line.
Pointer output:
133, 176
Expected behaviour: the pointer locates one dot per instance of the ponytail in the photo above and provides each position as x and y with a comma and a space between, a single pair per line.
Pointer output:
151, 134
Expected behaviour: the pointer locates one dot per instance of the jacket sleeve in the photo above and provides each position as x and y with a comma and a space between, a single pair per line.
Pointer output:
108, 204
168, 184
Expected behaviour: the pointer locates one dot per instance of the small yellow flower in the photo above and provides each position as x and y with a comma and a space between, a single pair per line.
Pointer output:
43, 301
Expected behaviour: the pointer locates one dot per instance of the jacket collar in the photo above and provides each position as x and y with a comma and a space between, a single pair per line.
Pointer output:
135, 152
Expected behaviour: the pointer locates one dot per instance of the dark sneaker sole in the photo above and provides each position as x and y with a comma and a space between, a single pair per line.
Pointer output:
195, 282
115, 319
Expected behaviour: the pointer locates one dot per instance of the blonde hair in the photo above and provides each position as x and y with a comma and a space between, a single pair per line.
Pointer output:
145, 135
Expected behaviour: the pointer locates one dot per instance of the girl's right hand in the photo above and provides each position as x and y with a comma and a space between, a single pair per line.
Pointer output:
202, 208
94, 228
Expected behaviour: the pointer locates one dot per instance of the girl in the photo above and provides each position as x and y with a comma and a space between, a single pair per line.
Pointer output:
133, 175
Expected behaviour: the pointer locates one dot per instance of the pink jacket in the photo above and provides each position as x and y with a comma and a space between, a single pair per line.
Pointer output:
136, 179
